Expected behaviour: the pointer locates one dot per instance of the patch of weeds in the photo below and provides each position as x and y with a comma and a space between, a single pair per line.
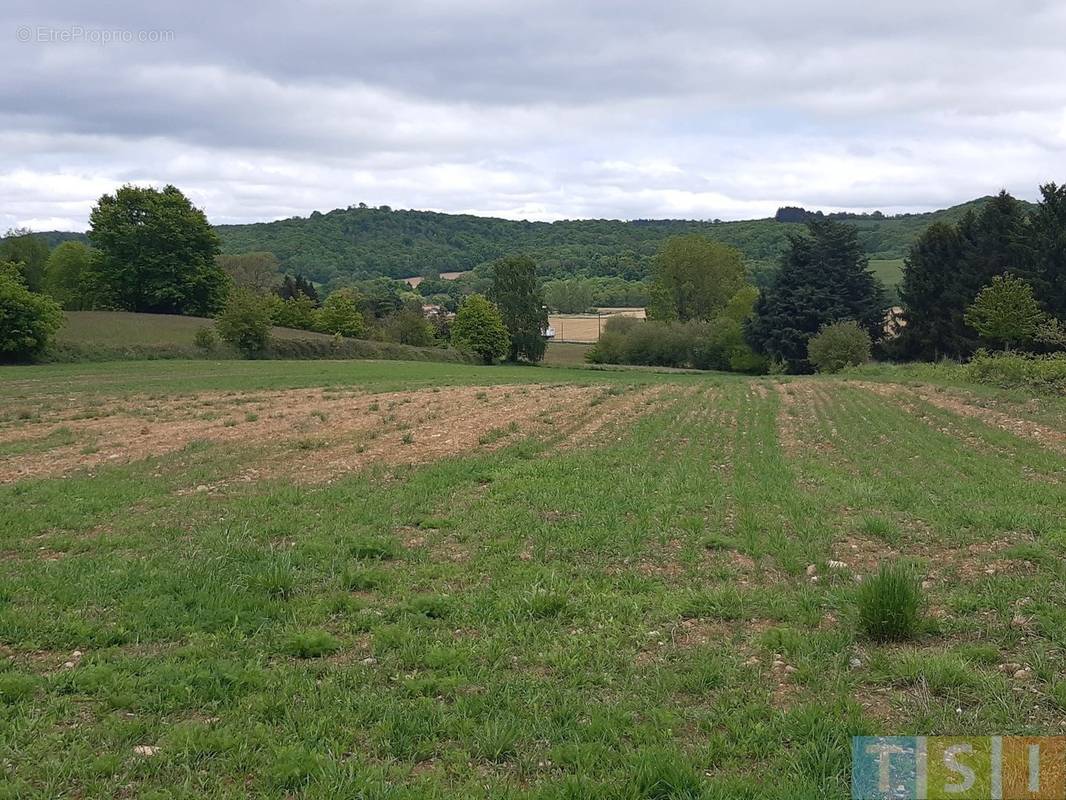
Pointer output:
229, 423
407, 438
197, 446
481, 396
435, 523
377, 549
945, 674
321, 416
665, 775
374, 407
430, 606
981, 654
362, 580
251, 417
310, 644
293, 768
16, 686
495, 740
275, 578
89, 450
878, 527
309, 444
492, 436
890, 604
546, 604
718, 541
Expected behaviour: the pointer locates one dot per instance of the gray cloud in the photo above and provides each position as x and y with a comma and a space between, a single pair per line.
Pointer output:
538, 110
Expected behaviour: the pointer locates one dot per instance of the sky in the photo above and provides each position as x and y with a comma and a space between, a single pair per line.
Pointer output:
534, 110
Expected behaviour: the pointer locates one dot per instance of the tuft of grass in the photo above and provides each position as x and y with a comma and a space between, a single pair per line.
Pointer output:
407, 438
310, 644
362, 580
665, 775
890, 604
879, 528
15, 687
431, 606
276, 579
293, 768
375, 549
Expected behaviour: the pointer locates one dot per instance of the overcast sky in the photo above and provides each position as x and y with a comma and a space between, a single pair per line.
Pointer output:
534, 110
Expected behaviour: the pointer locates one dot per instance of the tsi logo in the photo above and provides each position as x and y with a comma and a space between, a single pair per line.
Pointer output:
965, 767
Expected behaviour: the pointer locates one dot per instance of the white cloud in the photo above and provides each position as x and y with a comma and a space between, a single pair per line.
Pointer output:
543, 110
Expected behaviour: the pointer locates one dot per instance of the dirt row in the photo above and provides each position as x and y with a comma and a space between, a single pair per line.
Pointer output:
317, 434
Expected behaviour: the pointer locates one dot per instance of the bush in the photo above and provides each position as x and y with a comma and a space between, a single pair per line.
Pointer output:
890, 604
408, 327
245, 322
840, 345
28, 321
1018, 371
206, 340
701, 345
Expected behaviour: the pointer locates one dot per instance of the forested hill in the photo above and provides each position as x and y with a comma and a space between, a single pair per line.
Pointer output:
368, 242
363, 242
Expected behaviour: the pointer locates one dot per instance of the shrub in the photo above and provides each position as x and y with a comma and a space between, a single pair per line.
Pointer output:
840, 345
1006, 311
408, 327
702, 345
245, 322
27, 320
206, 340
1018, 371
296, 312
890, 604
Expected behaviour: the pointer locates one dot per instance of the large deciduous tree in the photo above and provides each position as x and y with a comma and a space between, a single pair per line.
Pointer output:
27, 249
65, 275
156, 253
694, 278
258, 272
521, 305
27, 320
478, 329
824, 278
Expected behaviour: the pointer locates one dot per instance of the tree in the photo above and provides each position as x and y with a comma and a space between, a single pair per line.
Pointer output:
258, 272
27, 249
521, 306
244, 322
945, 269
27, 320
1006, 311
65, 275
478, 328
694, 278
1046, 272
340, 314
156, 253
295, 287
842, 344
824, 278
297, 312
409, 327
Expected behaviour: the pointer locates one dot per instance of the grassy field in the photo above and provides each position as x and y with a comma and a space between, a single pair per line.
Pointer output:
113, 335
889, 271
397, 580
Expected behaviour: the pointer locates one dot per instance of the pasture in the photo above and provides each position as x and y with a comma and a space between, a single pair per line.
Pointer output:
399, 580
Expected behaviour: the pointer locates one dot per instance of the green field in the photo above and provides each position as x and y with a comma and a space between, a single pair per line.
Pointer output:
113, 335
888, 271
416, 580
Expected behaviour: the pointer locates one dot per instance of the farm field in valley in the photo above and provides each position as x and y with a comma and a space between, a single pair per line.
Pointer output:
426, 580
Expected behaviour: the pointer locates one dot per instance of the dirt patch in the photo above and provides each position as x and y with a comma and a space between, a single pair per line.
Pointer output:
316, 434
967, 563
956, 404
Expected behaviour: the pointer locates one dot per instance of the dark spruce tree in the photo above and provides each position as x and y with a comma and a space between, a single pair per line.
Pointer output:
521, 303
824, 278
946, 268
1046, 272
155, 252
